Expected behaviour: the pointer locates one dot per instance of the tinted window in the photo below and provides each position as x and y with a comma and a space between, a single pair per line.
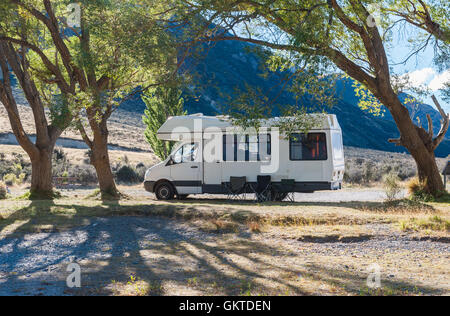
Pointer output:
312, 146
246, 147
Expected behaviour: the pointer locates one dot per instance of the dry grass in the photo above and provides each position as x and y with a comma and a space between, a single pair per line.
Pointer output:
268, 262
218, 216
260, 249
434, 223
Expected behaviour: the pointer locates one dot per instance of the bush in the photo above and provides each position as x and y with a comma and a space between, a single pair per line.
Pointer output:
391, 186
416, 190
60, 163
353, 175
85, 173
141, 169
127, 174
15, 165
3, 191
9, 179
414, 186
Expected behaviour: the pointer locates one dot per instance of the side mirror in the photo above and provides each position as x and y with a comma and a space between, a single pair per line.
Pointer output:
170, 161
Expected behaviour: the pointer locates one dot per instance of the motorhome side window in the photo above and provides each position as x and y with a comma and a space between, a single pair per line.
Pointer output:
312, 146
186, 153
246, 147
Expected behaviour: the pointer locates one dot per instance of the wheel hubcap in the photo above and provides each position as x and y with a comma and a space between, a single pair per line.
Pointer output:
164, 192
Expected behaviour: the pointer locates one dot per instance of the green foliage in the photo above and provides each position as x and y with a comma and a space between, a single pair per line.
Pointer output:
3, 191
418, 192
367, 101
34, 195
391, 185
161, 103
250, 108
12, 179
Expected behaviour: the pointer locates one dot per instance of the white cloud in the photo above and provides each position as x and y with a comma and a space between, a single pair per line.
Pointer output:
426, 78
420, 77
439, 80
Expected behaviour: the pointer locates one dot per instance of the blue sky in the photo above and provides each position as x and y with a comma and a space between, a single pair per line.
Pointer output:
420, 68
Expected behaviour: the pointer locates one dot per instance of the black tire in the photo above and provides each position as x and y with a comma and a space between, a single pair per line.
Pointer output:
164, 191
182, 196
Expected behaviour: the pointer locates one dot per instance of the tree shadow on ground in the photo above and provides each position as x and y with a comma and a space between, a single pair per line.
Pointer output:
124, 253
397, 206
356, 283
164, 254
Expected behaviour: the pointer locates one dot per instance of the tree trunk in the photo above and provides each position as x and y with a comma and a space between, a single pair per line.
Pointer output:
41, 174
419, 144
101, 163
429, 174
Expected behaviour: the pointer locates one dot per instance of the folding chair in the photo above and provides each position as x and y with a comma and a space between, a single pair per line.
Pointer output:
284, 190
236, 188
263, 190
287, 189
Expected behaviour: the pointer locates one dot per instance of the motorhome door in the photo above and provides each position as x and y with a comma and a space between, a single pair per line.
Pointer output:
186, 169
212, 159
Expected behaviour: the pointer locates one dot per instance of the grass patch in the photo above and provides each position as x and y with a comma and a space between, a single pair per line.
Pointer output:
391, 291
404, 206
254, 226
434, 223
136, 287
40, 196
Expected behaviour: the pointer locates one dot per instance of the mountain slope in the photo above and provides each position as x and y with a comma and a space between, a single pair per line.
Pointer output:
230, 65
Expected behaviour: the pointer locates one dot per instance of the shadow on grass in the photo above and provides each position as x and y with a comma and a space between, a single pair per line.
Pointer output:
180, 257
356, 283
396, 206
155, 251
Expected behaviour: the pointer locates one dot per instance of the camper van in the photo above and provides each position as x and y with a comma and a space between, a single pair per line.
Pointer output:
211, 150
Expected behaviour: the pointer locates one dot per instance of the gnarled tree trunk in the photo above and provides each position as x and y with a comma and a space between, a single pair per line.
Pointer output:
40, 152
421, 144
101, 163
41, 173
99, 154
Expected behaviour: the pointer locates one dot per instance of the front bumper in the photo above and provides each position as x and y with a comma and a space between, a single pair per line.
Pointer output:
149, 186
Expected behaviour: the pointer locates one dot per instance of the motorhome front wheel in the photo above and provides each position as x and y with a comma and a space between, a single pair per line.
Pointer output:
164, 191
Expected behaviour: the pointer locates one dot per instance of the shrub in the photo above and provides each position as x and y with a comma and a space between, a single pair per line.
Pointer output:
60, 163
414, 186
391, 186
127, 174
368, 172
353, 176
10, 179
416, 190
141, 169
85, 173
87, 157
3, 191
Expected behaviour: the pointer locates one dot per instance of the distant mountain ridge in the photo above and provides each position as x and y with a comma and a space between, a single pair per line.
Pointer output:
229, 65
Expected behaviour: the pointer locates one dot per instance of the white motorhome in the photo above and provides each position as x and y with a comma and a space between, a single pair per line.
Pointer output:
210, 150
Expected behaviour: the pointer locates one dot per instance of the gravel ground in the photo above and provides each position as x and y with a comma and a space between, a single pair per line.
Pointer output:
32, 264
346, 195
30, 260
